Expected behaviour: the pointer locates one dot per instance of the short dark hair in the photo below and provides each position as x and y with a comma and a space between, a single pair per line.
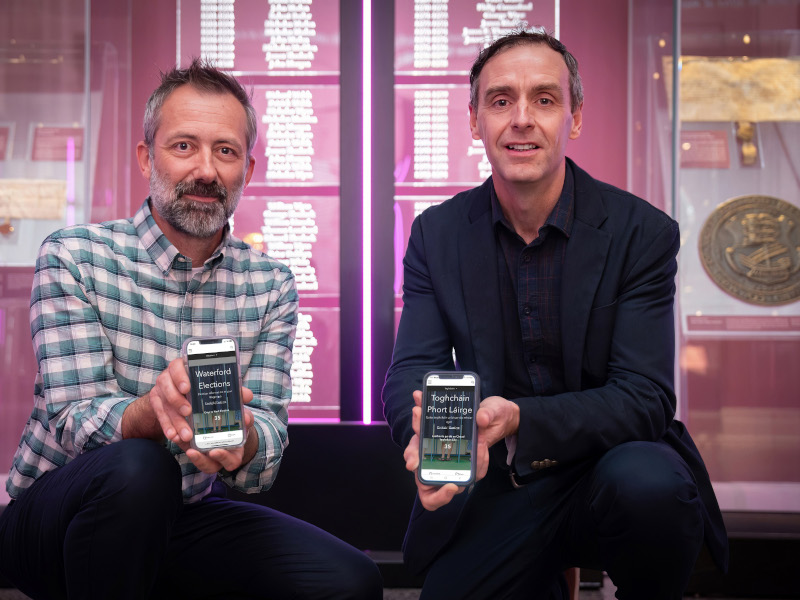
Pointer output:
205, 78
518, 38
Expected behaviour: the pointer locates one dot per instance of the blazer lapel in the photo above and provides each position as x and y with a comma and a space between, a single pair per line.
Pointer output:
481, 290
587, 250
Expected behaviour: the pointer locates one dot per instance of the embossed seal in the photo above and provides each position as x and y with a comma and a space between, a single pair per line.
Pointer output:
750, 247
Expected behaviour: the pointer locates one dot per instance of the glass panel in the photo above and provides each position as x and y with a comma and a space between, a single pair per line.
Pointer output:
738, 295
436, 42
739, 286
43, 184
62, 97
288, 54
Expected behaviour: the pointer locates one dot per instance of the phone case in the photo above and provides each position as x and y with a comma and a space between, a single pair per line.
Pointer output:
238, 382
456, 444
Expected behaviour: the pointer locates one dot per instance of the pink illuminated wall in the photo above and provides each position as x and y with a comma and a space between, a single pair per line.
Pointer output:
334, 119
293, 208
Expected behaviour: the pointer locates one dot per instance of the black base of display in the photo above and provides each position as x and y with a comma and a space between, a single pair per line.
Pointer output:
350, 480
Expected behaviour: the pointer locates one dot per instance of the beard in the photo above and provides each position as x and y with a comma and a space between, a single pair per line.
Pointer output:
198, 219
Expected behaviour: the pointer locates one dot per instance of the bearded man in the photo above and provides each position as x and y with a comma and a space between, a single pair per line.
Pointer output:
109, 499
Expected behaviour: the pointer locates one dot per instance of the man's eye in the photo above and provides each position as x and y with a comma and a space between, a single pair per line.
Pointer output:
502, 103
226, 150
545, 101
182, 146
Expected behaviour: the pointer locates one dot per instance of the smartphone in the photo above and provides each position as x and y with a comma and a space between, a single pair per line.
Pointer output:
216, 420
448, 431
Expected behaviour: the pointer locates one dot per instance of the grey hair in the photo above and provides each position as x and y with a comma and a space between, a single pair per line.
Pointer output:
205, 78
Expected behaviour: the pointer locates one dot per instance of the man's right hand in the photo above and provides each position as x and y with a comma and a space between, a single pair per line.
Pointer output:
162, 412
431, 496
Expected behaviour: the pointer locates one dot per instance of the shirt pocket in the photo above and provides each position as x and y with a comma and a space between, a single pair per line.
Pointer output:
246, 334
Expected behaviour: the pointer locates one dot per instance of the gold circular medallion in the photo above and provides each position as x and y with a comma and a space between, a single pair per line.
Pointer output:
750, 247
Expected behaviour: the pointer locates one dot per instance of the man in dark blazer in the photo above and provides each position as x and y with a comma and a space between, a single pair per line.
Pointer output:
557, 289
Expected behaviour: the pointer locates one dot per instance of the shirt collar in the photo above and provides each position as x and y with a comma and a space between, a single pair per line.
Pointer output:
562, 215
160, 249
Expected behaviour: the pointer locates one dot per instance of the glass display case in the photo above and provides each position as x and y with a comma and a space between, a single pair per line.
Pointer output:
716, 143
64, 158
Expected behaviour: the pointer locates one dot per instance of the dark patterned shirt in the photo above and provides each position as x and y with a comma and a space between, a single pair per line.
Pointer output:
530, 286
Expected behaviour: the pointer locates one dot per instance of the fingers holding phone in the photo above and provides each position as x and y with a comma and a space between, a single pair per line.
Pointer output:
217, 414
431, 496
168, 402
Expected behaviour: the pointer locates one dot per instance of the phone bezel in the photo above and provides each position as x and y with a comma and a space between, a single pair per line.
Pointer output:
455, 378
201, 444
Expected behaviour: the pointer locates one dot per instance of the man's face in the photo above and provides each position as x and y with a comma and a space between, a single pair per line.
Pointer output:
524, 116
198, 165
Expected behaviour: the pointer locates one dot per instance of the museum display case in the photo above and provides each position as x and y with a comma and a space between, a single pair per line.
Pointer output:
64, 157
715, 143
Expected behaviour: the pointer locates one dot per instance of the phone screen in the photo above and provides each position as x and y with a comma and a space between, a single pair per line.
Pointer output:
216, 401
449, 402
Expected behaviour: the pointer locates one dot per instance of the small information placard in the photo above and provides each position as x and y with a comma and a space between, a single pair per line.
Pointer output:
53, 143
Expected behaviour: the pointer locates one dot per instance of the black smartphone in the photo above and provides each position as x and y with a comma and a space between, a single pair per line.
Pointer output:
448, 429
216, 420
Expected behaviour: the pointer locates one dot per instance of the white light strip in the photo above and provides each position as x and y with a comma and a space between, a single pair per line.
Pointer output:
557, 19
366, 213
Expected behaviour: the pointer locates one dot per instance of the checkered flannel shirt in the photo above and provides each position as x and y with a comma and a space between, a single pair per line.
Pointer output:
111, 306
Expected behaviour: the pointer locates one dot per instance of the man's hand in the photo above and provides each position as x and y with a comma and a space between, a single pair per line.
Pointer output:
431, 496
220, 458
162, 413
169, 402
497, 418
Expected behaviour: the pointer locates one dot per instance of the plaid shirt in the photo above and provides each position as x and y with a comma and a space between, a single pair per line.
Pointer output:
111, 306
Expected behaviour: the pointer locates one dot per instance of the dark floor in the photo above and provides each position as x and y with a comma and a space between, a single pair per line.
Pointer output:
604, 593
594, 590
764, 554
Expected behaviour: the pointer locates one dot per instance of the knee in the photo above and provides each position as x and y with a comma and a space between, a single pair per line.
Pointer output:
141, 471
646, 484
360, 578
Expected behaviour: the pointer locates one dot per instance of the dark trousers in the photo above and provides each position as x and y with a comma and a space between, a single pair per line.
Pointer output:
112, 524
635, 513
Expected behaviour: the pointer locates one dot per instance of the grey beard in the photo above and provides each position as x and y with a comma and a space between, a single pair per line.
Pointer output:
198, 219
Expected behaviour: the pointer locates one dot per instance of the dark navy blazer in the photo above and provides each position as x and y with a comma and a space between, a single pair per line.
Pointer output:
617, 335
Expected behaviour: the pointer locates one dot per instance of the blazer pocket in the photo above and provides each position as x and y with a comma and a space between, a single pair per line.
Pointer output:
598, 343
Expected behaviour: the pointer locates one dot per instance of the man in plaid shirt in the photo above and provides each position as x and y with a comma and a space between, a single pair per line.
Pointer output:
109, 499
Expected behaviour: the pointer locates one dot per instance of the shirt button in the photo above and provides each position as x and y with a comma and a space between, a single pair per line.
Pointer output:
526, 258
532, 359
527, 310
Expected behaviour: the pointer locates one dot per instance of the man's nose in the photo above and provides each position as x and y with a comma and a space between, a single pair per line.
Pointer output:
523, 114
204, 168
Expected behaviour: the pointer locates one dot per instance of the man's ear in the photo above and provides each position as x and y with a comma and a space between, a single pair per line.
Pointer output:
143, 158
251, 162
577, 123
473, 123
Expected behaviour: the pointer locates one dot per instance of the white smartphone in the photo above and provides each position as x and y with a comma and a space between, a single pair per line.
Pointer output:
216, 420
448, 429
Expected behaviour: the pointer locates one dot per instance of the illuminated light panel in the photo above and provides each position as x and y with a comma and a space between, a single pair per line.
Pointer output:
366, 213
70, 213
